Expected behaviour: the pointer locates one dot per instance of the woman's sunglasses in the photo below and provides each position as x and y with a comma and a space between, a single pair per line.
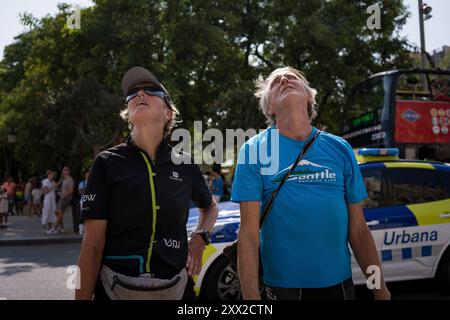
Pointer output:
151, 91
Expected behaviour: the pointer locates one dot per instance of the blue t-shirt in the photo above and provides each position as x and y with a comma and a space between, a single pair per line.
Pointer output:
217, 185
304, 241
82, 185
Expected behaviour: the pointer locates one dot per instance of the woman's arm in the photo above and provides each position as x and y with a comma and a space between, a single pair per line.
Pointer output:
364, 248
46, 190
90, 258
207, 219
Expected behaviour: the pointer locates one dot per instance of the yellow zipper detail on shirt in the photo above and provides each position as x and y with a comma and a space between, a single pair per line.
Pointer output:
154, 208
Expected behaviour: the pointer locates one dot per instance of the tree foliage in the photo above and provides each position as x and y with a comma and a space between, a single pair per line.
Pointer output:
61, 87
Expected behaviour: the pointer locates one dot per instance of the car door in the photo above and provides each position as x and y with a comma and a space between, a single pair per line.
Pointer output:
375, 213
413, 227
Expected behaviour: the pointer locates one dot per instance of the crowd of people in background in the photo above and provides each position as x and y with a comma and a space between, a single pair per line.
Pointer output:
47, 198
20, 198
43, 197
218, 185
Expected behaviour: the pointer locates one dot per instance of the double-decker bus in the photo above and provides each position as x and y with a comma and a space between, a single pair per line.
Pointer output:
407, 108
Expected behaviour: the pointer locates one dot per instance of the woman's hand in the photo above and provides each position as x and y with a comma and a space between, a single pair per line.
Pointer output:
195, 255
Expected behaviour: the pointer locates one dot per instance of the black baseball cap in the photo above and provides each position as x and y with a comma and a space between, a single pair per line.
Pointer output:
138, 75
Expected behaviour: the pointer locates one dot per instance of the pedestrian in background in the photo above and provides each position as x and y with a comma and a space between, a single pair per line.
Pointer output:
65, 199
48, 211
18, 202
4, 204
36, 195
10, 188
27, 197
216, 185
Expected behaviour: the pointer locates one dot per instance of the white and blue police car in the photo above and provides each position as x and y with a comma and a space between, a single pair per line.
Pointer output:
408, 212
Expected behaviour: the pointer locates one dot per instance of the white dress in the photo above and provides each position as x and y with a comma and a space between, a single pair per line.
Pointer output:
49, 208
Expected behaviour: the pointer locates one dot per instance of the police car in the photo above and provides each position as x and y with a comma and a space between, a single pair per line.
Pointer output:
408, 212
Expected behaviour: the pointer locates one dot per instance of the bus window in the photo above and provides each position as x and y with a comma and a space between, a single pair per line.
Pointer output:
364, 105
412, 86
440, 87
369, 96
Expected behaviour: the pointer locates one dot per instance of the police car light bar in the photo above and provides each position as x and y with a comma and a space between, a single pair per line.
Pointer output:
378, 152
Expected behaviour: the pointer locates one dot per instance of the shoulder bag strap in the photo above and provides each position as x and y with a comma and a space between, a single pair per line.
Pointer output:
274, 194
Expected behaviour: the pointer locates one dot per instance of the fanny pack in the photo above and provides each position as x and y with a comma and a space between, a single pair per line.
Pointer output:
122, 287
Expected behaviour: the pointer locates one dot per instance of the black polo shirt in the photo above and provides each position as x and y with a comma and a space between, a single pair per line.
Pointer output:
146, 230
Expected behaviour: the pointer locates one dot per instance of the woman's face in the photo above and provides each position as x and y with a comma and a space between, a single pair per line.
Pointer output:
145, 109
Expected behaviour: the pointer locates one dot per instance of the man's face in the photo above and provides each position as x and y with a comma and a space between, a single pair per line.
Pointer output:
435, 88
66, 172
86, 176
287, 93
439, 87
145, 108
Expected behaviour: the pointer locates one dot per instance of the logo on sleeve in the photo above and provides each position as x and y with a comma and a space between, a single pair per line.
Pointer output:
85, 199
88, 197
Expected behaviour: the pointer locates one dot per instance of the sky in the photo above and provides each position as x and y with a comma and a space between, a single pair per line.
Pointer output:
437, 28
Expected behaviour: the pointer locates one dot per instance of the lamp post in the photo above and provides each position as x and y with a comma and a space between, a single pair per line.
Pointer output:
424, 14
12, 136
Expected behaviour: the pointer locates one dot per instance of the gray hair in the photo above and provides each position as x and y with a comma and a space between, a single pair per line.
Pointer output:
172, 123
263, 88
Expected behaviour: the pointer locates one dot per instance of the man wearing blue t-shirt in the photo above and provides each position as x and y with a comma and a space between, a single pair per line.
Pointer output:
304, 242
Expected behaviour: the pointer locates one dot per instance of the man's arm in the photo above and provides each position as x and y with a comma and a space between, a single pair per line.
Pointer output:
363, 246
248, 250
207, 219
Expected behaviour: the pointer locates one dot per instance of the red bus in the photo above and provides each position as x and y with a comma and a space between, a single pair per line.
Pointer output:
407, 109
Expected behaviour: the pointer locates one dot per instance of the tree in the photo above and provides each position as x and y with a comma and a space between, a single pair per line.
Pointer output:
61, 87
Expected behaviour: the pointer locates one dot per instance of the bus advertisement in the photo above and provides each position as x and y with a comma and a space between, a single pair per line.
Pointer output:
422, 122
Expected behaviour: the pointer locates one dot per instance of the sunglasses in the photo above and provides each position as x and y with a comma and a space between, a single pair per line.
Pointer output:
151, 91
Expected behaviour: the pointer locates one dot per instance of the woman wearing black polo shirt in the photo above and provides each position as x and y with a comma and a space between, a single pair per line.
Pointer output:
136, 201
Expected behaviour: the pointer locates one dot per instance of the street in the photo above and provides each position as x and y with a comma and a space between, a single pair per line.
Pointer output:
37, 272
40, 273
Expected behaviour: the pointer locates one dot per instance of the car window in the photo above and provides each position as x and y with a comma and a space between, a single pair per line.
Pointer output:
412, 186
374, 184
444, 177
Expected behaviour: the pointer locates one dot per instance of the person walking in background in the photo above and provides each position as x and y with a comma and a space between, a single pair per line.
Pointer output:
216, 185
226, 191
18, 201
48, 211
27, 197
81, 192
10, 188
67, 188
4, 204
36, 195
